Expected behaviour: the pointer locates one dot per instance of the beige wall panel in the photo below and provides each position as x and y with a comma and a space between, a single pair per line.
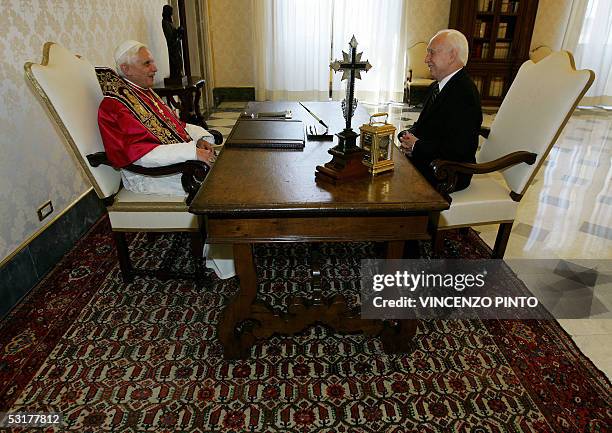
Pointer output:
424, 18
231, 31
35, 165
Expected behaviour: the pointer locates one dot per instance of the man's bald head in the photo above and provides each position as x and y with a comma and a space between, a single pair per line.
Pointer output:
447, 52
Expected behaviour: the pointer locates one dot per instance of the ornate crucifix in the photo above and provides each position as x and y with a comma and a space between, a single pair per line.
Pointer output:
351, 67
346, 162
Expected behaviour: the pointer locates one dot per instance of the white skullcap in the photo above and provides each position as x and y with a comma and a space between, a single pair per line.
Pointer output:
124, 47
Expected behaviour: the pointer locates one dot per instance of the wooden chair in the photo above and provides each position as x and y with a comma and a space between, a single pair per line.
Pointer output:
69, 89
531, 117
419, 77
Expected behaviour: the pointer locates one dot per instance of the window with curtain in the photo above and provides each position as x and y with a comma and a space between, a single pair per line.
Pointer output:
297, 39
593, 48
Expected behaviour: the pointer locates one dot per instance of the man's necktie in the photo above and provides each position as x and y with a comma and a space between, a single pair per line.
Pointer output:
435, 92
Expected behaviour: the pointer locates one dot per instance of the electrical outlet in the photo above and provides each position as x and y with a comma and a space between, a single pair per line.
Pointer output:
45, 210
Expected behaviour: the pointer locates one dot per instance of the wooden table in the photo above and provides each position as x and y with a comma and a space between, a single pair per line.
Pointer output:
265, 195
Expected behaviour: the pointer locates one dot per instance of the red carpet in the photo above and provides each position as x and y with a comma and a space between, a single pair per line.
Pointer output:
145, 357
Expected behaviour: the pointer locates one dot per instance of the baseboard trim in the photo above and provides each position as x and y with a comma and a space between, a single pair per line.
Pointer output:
223, 94
27, 265
34, 235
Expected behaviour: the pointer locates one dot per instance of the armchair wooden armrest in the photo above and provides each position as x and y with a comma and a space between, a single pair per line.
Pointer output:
446, 171
217, 135
193, 172
97, 159
201, 122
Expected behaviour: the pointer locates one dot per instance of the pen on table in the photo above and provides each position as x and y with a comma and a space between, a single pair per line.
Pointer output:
315, 116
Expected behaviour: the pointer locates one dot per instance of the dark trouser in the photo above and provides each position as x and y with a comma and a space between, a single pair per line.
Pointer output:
463, 180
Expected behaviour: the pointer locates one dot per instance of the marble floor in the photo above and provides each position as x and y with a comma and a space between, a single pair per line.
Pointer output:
561, 242
566, 216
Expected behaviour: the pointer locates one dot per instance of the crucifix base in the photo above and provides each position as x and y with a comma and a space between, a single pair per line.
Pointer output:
346, 163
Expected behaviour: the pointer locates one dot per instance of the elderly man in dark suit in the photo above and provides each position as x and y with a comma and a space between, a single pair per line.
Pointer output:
448, 126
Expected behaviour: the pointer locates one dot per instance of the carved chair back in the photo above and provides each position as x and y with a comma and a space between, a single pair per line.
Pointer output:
539, 53
533, 113
68, 86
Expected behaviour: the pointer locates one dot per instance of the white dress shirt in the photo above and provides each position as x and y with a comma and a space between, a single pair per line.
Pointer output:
446, 79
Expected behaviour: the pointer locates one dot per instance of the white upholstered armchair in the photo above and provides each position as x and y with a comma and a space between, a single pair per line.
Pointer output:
69, 89
531, 117
419, 78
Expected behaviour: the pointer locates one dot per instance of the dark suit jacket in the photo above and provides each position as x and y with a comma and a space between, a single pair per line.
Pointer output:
448, 127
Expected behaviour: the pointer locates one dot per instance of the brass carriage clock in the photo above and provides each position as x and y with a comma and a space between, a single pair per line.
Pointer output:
377, 143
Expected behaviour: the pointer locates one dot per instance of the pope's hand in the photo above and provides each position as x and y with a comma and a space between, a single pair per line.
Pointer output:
203, 144
206, 155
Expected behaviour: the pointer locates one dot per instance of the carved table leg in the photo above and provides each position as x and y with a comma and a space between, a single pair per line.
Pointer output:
245, 320
397, 335
235, 344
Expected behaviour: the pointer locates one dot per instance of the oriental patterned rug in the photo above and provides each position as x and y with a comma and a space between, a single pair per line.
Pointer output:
145, 357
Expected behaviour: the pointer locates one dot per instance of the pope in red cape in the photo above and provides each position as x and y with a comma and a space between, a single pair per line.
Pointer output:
137, 127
